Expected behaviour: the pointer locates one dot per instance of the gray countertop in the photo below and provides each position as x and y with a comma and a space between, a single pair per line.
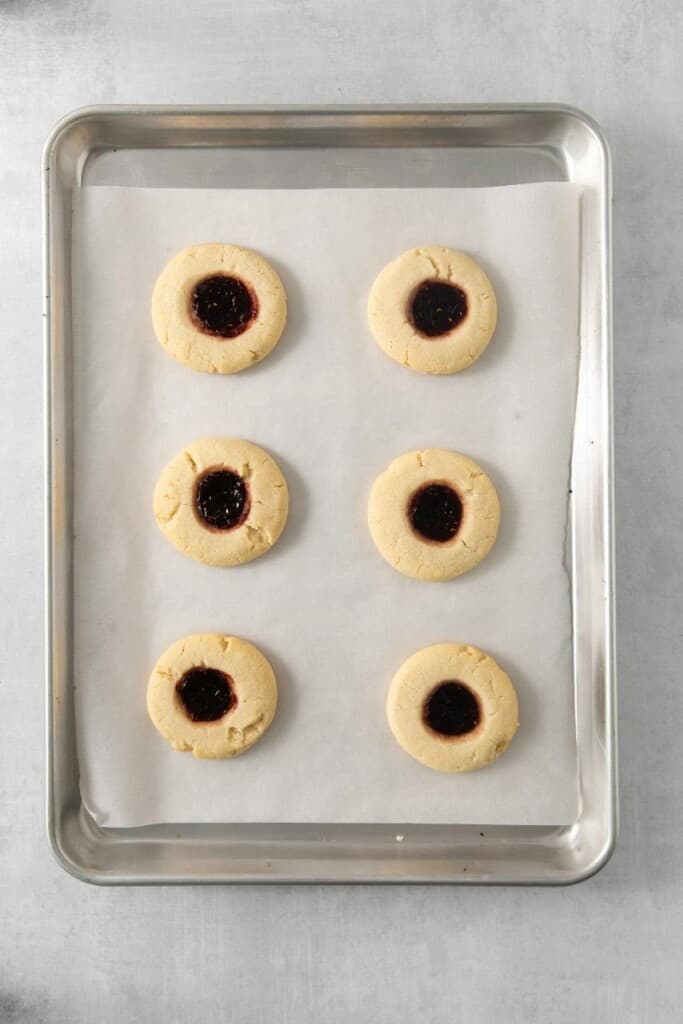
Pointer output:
609, 949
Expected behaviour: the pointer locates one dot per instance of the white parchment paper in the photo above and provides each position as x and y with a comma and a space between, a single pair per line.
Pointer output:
334, 619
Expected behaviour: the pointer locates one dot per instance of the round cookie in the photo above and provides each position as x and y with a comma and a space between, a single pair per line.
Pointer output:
433, 310
452, 707
218, 308
212, 694
222, 501
433, 514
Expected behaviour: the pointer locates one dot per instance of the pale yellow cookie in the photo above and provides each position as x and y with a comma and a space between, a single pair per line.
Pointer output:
212, 694
452, 707
218, 308
433, 514
433, 310
222, 501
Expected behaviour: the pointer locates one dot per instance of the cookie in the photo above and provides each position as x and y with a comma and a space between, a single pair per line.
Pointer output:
433, 514
212, 694
452, 707
218, 308
433, 310
222, 501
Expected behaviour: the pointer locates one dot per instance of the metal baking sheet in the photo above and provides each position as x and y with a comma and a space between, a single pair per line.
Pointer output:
276, 148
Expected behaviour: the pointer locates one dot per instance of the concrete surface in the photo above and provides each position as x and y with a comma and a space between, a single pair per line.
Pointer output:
608, 950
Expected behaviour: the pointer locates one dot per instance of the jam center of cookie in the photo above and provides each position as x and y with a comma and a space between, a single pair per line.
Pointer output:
435, 512
222, 499
206, 694
223, 305
451, 709
437, 307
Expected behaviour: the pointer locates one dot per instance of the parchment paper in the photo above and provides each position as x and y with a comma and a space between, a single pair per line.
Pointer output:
334, 619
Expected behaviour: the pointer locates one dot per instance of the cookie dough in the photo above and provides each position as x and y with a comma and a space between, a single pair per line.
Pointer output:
452, 707
433, 309
212, 694
222, 501
433, 514
218, 308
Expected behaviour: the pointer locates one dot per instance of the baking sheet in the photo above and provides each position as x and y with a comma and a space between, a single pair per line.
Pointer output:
335, 620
